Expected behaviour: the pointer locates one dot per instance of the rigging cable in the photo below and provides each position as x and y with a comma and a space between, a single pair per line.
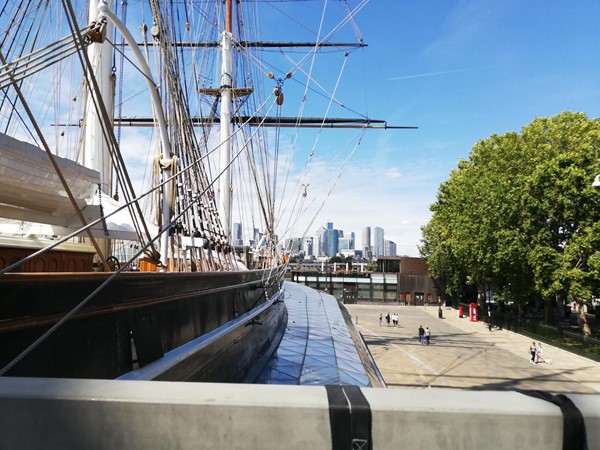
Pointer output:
305, 177
333, 186
107, 131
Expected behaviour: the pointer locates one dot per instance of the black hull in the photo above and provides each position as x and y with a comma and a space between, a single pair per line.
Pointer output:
136, 319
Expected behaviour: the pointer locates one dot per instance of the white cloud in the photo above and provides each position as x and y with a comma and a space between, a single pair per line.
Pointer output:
364, 196
392, 173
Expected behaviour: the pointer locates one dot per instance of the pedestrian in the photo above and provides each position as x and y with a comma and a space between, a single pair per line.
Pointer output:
395, 319
539, 354
421, 335
427, 335
440, 312
387, 319
380, 318
533, 350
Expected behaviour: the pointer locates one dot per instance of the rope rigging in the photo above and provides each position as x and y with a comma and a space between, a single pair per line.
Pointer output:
268, 172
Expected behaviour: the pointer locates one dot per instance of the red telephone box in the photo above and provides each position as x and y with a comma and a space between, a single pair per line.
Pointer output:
473, 316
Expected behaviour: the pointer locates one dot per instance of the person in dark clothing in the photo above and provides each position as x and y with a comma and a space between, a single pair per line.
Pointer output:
533, 350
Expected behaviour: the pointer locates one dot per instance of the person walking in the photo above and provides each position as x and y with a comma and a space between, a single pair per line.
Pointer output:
380, 319
427, 335
421, 335
533, 350
387, 319
539, 354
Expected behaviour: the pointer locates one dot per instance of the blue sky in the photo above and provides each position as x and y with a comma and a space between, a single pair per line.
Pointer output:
460, 71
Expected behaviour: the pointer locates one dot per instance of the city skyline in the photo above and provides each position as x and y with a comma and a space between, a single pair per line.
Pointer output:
346, 240
319, 242
330, 241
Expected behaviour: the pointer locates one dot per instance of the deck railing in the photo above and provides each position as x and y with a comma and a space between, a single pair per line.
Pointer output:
69, 414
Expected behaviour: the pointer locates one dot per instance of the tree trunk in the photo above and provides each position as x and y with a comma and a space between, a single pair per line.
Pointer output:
584, 327
561, 307
520, 314
549, 312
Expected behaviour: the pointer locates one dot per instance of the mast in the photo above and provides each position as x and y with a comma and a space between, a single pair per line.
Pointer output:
225, 151
95, 148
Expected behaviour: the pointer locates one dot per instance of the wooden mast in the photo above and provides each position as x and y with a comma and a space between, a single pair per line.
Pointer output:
225, 152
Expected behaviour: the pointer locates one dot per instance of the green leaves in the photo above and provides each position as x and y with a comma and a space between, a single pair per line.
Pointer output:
520, 215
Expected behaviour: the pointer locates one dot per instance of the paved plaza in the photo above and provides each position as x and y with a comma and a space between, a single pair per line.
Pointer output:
464, 354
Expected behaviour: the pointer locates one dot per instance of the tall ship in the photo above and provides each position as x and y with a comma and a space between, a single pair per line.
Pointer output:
137, 139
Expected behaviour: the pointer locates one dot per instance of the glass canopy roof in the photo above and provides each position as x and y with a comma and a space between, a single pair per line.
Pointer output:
317, 347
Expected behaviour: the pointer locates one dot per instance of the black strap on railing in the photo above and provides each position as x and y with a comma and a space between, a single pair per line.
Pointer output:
574, 435
349, 418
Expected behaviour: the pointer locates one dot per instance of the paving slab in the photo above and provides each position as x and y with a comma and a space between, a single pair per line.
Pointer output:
464, 354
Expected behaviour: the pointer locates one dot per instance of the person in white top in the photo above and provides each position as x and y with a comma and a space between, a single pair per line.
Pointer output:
539, 354
533, 351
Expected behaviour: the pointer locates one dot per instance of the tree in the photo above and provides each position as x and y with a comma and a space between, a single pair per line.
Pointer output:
520, 216
561, 210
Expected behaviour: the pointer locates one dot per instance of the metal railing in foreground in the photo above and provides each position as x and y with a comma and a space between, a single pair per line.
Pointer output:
65, 414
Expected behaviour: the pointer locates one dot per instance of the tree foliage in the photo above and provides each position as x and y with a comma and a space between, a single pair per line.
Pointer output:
520, 217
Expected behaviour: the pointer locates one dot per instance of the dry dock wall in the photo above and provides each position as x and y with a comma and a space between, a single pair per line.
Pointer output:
106, 414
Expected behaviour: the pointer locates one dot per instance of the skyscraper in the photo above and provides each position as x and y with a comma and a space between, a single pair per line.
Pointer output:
378, 242
293, 246
237, 234
366, 241
332, 239
389, 248
319, 244
344, 244
307, 246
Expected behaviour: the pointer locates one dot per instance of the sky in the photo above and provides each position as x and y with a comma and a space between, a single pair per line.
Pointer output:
460, 71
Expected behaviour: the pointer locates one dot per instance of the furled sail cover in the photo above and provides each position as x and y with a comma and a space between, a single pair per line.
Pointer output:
31, 191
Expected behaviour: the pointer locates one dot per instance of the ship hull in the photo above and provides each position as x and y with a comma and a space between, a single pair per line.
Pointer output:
138, 320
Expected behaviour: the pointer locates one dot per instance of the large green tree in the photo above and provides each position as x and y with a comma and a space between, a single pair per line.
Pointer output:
520, 217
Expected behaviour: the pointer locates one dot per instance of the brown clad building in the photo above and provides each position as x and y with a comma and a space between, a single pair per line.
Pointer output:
414, 286
397, 279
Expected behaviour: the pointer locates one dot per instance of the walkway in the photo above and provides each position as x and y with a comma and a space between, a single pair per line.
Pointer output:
465, 355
